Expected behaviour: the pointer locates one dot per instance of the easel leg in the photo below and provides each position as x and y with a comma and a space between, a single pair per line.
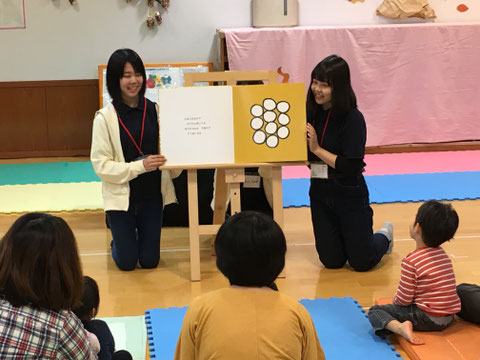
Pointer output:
235, 202
193, 225
234, 177
219, 206
278, 201
220, 197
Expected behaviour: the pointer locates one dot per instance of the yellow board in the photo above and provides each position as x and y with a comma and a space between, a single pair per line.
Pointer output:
269, 123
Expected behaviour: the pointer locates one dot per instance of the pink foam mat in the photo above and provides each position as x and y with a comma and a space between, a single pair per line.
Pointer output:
407, 163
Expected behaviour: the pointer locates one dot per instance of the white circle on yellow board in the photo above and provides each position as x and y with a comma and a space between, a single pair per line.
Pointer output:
259, 137
271, 128
283, 132
256, 123
256, 110
283, 119
272, 141
269, 116
269, 104
283, 106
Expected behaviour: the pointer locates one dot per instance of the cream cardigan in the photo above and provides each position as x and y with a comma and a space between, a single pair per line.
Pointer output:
109, 163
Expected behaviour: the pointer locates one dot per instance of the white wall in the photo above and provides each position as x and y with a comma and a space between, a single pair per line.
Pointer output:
68, 42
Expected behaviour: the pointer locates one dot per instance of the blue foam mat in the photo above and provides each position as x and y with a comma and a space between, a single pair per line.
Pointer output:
342, 327
345, 332
399, 188
163, 328
383, 188
46, 173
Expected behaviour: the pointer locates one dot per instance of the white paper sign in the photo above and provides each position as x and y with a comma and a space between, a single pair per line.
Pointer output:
12, 14
196, 125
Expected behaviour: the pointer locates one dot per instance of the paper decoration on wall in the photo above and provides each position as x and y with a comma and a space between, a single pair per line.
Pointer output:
462, 8
12, 14
401, 9
354, 1
227, 125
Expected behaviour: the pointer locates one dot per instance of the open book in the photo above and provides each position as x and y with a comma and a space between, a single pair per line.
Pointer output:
233, 124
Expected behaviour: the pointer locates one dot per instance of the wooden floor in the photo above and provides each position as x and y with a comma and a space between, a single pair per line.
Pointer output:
131, 293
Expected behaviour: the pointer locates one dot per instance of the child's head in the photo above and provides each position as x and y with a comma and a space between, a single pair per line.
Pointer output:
88, 308
250, 249
438, 222
331, 78
39, 263
116, 71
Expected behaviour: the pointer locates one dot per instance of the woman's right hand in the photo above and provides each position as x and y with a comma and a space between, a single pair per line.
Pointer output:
153, 162
312, 139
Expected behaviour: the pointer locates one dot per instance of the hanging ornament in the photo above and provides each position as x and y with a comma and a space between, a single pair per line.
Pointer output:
165, 3
150, 22
158, 17
73, 2
155, 12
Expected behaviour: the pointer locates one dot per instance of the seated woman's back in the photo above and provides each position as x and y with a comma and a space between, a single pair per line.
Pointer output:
40, 333
248, 320
40, 281
248, 323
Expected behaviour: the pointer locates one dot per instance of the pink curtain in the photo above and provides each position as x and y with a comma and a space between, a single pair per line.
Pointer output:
415, 83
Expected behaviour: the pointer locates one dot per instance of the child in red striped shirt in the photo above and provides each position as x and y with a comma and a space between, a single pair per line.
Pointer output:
426, 298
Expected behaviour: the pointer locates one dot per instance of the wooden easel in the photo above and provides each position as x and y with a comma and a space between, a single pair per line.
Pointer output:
233, 175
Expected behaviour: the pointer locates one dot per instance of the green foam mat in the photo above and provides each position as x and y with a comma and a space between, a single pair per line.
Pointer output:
45, 173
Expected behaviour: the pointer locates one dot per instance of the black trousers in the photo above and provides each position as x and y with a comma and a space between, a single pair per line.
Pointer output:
470, 297
342, 224
136, 234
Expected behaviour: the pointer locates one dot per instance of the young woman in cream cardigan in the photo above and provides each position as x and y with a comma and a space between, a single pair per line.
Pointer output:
125, 155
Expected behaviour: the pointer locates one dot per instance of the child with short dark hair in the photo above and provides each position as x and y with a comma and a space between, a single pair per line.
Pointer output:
86, 311
248, 320
426, 299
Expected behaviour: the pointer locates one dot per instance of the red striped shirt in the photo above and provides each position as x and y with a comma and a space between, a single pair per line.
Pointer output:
427, 280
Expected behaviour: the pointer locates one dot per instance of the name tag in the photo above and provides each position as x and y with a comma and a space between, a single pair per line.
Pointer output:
252, 181
141, 157
318, 170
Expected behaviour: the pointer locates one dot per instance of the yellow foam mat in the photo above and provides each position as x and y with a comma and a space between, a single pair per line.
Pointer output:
51, 197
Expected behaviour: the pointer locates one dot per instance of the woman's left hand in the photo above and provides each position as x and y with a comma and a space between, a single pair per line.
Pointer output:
153, 162
312, 139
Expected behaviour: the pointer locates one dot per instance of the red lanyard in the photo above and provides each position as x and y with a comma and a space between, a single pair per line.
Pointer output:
325, 128
139, 148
